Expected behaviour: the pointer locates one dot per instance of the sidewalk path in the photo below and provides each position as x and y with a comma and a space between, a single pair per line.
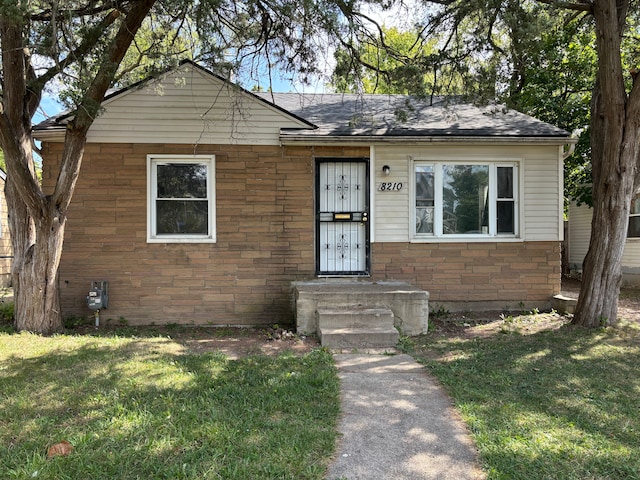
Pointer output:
398, 424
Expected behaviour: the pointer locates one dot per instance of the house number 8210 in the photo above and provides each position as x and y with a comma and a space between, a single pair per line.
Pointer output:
390, 186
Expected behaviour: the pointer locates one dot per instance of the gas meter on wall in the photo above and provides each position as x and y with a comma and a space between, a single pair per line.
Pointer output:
98, 297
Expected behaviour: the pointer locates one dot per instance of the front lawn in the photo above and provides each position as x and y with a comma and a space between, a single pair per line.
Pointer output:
543, 399
146, 408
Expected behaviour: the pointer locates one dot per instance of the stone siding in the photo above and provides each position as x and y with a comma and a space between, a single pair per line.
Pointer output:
6, 252
507, 275
265, 241
265, 236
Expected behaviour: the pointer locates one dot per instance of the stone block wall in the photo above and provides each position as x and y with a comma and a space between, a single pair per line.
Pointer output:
265, 241
461, 276
6, 252
265, 236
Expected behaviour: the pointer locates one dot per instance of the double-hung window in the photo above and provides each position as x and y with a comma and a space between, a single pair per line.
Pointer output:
465, 199
181, 199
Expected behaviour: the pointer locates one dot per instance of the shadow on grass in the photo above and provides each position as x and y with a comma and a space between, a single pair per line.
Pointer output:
133, 411
554, 404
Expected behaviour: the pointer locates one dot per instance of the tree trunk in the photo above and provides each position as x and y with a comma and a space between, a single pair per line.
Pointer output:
602, 276
37, 238
37, 220
35, 277
615, 139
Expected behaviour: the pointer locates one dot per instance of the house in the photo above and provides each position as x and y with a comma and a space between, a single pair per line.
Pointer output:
6, 251
202, 203
579, 234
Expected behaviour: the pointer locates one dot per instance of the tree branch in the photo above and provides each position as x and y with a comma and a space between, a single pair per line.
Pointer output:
89, 41
49, 14
89, 107
17, 170
15, 124
579, 6
633, 116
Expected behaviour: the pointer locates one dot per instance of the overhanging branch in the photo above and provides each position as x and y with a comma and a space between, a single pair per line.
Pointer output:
76, 132
89, 41
579, 6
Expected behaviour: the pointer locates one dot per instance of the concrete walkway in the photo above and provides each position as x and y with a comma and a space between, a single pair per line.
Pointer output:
398, 424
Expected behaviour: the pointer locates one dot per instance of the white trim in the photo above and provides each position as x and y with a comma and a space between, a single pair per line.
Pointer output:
561, 189
520, 204
493, 163
289, 138
209, 161
373, 169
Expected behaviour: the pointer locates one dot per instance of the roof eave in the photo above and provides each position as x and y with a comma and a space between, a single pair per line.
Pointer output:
51, 134
310, 139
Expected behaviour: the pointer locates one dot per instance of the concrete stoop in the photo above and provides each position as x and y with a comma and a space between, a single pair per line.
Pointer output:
356, 327
359, 314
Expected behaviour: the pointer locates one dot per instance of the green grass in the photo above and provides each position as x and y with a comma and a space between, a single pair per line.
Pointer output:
142, 408
549, 404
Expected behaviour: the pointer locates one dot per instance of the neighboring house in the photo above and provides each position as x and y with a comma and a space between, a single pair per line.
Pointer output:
579, 234
6, 252
202, 203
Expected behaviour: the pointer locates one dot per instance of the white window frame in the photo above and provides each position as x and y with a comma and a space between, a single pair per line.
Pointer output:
633, 214
153, 160
438, 201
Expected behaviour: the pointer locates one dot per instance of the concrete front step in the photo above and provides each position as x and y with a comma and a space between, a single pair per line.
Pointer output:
409, 304
354, 317
358, 338
356, 327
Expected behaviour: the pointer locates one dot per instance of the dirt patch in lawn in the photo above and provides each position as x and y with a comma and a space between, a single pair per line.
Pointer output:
239, 342
232, 342
486, 324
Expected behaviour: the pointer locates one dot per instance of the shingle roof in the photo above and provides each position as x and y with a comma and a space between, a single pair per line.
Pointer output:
355, 115
360, 116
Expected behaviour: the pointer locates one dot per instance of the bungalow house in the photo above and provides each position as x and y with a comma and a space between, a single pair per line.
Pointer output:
6, 251
579, 234
202, 203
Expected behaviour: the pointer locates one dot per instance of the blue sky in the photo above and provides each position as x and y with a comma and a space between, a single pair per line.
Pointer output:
49, 106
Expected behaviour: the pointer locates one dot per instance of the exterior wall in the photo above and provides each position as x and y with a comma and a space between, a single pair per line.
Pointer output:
265, 241
6, 252
478, 274
578, 245
579, 233
464, 276
541, 205
265, 236
189, 106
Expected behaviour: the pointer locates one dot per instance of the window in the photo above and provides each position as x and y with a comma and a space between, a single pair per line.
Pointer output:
465, 199
181, 198
634, 219
424, 199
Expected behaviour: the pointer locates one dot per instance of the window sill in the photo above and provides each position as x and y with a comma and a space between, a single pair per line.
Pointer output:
181, 240
466, 239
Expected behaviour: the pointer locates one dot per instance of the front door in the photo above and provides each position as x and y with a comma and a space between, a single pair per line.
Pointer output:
342, 216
